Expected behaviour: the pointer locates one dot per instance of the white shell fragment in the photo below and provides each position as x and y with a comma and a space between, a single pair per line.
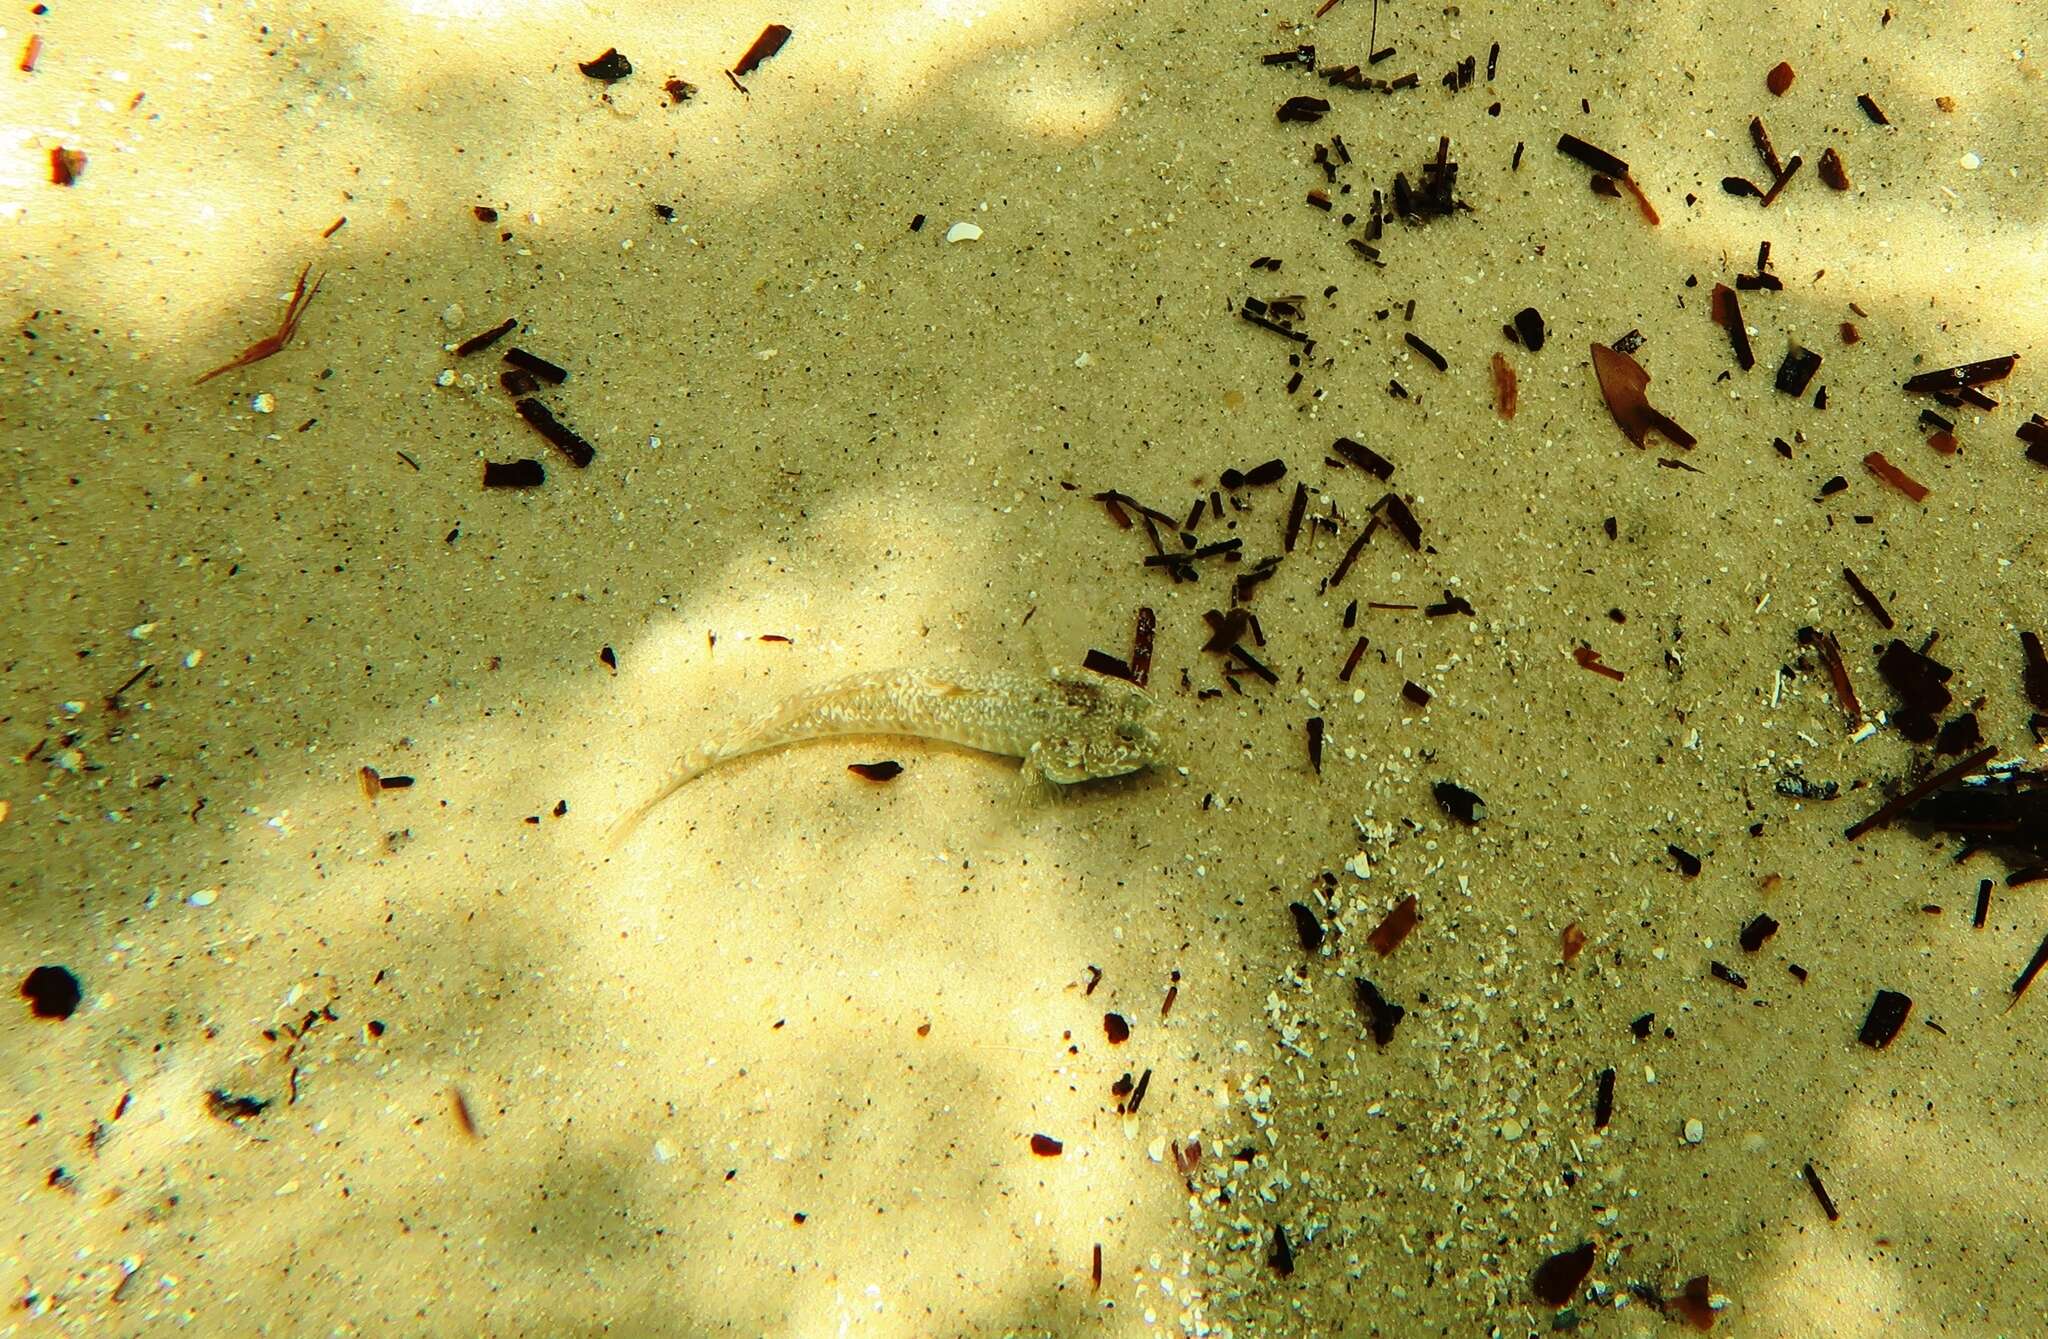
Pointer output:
963, 232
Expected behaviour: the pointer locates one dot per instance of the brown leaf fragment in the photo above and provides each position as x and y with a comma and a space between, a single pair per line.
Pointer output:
1394, 926
767, 44
1833, 171
1556, 1281
1692, 1303
1622, 380
1504, 391
1876, 463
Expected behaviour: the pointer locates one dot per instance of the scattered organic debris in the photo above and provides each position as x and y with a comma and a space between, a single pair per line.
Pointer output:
302, 297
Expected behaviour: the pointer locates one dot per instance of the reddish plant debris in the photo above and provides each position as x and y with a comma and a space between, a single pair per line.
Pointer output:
1142, 634
1601, 161
1045, 1146
1870, 601
1094, 980
562, 438
1850, 334
1913, 795
465, 1120
1095, 1274
1921, 683
1364, 458
1172, 993
1395, 509
1721, 971
1351, 661
876, 771
295, 309
1872, 110
513, 474
1394, 926
1833, 171
1649, 211
234, 1108
1281, 1257
478, 343
1876, 463
1727, 312
1416, 342
371, 782
2034, 432
1414, 693
1887, 1015
1820, 1192
1688, 863
1529, 329
679, 91
29, 51
1556, 1281
1622, 380
1186, 1157
2029, 972
66, 166
1458, 802
1117, 1028
1381, 1015
1315, 744
1779, 80
1295, 510
1795, 374
1103, 663
1830, 651
537, 367
1304, 108
1571, 942
1792, 167
52, 992
1603, 1087
1144, 1084
1693, 1301
767, 44
1504, 389
1983, 904
608, 68
2035, 675
1307, 928
1589, 659
1962, 376
1760, 928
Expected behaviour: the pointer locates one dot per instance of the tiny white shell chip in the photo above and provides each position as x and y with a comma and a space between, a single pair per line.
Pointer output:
963, 232
205, 897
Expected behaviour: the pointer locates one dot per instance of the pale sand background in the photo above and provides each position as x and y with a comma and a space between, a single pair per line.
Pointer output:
864, 433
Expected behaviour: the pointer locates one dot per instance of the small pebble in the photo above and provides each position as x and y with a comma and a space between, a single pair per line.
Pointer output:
1695, 1131
205, 897
1511, 1129
263, 403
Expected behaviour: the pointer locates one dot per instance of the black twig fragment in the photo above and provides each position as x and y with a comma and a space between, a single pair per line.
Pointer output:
563, 439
